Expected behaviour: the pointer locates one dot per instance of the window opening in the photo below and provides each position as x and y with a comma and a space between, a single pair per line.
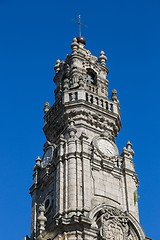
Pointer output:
91, 76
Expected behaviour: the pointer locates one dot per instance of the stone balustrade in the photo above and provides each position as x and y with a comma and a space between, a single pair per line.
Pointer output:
92, 88
71, 96
100, 102
118, 162
107, 105
52, 111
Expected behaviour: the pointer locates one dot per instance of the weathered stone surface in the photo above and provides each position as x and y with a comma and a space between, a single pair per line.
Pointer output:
83, 188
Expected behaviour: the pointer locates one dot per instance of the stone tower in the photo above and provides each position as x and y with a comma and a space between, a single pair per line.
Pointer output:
83, 188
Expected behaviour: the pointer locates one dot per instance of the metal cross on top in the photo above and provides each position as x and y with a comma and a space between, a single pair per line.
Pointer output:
80, 24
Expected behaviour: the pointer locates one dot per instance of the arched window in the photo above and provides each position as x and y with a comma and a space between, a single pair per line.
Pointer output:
91, 76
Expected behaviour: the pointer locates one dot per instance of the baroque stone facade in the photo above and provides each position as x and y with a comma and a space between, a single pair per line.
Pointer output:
83, 188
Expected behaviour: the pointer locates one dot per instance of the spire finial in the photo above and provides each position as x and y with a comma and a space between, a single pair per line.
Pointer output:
79, 23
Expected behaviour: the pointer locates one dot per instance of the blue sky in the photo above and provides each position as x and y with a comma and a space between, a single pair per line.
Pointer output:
33, 35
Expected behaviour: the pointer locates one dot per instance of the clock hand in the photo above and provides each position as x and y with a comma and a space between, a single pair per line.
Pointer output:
108, 151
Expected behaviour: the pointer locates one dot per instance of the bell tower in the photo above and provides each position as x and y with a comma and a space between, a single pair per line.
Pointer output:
83, 188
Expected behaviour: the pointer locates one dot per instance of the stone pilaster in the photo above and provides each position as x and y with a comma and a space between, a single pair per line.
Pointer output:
72, 186
86, 172
130, 180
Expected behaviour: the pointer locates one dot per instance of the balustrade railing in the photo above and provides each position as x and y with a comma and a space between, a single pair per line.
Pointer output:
96, 100
73, 96
118, 162
105, 104
89, 97
53, 110
92, 88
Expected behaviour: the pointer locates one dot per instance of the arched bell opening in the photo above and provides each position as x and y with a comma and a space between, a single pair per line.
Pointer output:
91, 76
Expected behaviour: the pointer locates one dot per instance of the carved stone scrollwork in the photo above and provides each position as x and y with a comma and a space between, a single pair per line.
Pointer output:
72, 129
113, 225
81, 81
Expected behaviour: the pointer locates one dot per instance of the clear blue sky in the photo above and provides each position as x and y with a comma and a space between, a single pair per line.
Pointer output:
33, 35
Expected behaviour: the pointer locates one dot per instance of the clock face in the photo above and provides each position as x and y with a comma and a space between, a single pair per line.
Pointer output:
47, 157
106, 147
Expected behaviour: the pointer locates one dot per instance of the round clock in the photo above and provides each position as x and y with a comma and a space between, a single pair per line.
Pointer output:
106, 147
47, 157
